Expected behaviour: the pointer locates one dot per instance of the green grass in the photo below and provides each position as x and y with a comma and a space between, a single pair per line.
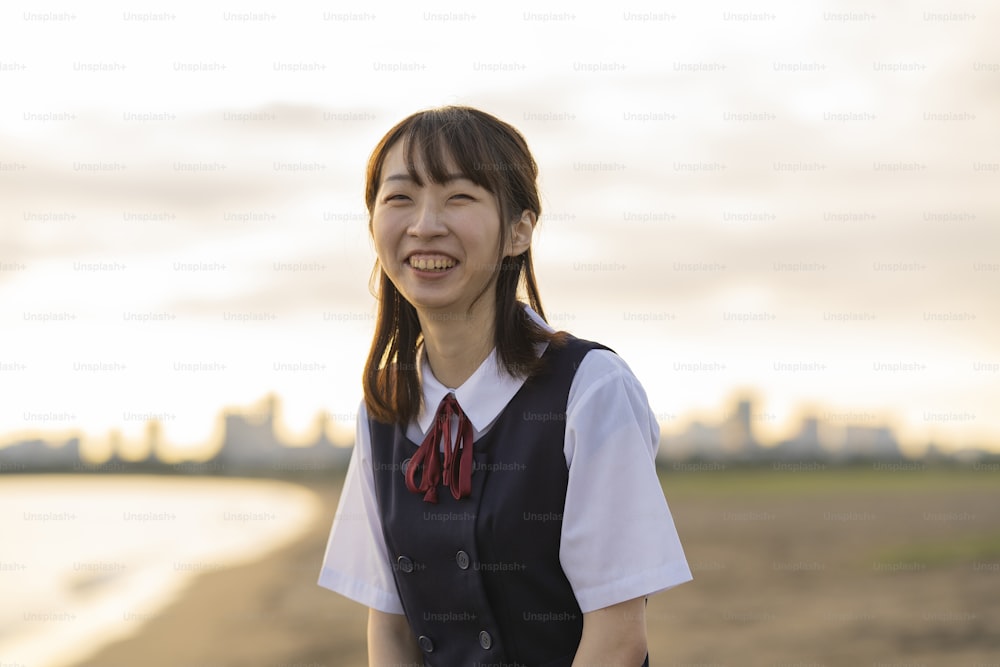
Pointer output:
688, 480
952, 551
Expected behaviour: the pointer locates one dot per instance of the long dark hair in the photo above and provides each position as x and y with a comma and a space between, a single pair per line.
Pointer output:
495, 156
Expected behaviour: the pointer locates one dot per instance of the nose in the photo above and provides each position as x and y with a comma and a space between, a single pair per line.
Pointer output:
427, 222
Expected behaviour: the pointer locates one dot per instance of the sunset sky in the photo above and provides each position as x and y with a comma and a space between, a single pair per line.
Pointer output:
798, 201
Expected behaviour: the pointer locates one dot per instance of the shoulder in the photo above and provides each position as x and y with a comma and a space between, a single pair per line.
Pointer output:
606, 401
593, 365
602, 367
604, 360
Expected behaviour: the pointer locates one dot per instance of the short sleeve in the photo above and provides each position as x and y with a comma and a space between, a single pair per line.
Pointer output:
356, 563
618, 537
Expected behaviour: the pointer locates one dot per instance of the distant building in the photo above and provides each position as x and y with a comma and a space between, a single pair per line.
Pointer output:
736, 432
249, 442
804, 446
732, 439
697, 441
871, 442
38, 455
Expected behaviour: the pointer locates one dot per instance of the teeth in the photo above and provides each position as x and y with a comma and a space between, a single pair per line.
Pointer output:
431, 263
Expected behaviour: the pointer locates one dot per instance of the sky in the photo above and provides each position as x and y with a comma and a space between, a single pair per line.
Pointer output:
795, 202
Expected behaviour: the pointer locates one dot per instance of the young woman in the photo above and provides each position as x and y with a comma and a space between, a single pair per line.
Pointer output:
502, 505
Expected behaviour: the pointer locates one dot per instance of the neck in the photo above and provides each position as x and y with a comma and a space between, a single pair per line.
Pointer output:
456, 346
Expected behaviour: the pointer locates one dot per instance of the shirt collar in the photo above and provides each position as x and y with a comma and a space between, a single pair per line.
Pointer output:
484, 395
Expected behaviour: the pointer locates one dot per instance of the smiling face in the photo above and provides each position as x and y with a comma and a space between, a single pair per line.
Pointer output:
446, 190
437, 242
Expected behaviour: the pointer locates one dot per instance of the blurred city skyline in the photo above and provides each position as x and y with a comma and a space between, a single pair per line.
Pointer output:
798, 202
255, 439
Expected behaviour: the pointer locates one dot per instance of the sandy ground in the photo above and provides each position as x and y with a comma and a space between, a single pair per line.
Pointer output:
804, 579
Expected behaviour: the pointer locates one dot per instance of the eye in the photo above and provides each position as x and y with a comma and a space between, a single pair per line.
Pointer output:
462, 195
396, 197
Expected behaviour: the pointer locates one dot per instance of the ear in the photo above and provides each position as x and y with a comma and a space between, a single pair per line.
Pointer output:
520, 233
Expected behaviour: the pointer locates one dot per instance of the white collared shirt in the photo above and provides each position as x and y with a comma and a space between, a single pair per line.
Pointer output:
618, 539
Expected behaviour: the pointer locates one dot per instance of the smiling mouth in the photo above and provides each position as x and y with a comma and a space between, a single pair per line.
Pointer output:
431, 263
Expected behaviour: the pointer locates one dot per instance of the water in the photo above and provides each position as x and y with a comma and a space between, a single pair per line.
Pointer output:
85, 561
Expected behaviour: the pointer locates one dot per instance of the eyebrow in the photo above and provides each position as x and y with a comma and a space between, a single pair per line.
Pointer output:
406, 177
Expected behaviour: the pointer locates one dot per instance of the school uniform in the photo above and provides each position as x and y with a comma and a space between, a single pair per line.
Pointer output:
553, 510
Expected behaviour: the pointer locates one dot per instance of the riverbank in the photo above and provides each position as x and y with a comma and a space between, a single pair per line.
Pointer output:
270, 612
832, 571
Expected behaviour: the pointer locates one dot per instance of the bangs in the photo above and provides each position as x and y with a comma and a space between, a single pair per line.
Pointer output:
444, 136
467, 142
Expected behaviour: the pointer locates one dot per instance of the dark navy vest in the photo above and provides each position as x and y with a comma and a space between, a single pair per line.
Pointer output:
480, 578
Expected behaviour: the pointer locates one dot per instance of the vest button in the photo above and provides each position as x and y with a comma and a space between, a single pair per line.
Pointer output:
405, 564
402, 466
485, 640
462, 559
425, 643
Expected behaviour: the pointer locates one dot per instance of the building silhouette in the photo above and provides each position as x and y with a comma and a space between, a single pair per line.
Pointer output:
252, 442
733, 439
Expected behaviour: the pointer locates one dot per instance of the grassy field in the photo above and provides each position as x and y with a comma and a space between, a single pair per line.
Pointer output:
793, 567
716, 479
861, 566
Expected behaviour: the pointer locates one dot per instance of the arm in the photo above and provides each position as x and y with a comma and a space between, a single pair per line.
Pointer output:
618, 543
614, 635
390, 641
